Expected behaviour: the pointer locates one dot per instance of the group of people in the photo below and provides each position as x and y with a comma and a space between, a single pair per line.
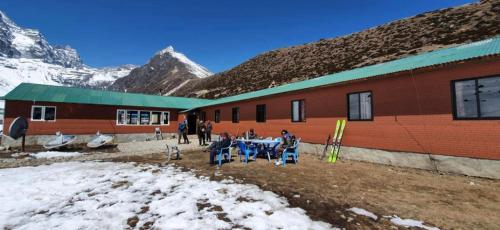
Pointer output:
287, 142
203, 130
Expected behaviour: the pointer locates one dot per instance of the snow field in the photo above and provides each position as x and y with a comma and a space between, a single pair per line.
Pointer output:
104, 195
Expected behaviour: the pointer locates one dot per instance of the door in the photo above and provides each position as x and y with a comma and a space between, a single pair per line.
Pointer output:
191, 123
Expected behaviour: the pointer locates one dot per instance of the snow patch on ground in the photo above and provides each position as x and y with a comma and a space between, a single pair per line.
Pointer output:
410, 223
52, 154
105, 195
363, 212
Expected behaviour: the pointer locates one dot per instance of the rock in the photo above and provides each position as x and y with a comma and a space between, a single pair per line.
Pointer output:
132, 221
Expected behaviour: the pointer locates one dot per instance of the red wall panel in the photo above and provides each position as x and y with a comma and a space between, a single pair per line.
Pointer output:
412, 113
82, 119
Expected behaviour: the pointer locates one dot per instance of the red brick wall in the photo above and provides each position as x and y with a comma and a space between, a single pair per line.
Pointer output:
81, 119
412, 114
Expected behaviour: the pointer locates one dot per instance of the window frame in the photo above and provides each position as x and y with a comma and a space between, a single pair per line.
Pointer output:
264, 115
478, 99
217, 114
42, 117
162, 115
302, 110
237, 120
359, 101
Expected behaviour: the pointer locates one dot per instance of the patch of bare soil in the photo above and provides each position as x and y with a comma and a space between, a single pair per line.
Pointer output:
326, 190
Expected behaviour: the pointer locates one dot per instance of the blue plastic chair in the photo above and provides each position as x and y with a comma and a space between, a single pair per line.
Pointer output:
226, 152
293, 152
244, 150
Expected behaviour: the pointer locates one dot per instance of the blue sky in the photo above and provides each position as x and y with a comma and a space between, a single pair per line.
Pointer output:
217, 34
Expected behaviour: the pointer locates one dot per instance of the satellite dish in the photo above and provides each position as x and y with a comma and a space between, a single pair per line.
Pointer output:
18, 128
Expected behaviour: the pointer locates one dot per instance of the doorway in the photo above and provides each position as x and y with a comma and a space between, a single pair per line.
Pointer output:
191, 118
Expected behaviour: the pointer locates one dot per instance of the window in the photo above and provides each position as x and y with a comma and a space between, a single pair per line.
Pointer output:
155, 118
217, 116
360, 106
145, 117
132, 117
43, 113
142, 117
166, 118
298, 111
477, 98
120, 117
261, 113
36, 113
236, 114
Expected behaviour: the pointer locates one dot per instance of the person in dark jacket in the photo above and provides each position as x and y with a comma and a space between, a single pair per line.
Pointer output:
209, 131
287, 142
201, 130
215, 147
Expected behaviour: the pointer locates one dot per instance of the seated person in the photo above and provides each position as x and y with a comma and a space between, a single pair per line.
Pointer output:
215, 147
250, 134
287, 142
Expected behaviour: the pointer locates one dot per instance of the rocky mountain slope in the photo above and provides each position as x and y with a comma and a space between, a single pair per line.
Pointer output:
421, 33
165, 72
26, 56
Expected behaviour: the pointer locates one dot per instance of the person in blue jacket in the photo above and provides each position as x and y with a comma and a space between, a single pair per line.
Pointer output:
182, 132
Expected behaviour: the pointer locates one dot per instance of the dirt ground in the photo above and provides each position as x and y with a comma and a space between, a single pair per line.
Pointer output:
326, 190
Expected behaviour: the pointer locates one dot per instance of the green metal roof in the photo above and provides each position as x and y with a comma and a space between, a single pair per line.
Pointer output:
440, 56
48, 93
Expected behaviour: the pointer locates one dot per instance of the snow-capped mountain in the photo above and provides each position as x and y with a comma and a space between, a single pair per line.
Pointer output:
165, 72
194, 68
26, 56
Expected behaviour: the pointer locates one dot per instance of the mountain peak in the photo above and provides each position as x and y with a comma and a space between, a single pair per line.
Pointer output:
192, 66
169, 49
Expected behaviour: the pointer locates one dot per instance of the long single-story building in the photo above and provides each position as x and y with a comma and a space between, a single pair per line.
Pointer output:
440, 103
83, 112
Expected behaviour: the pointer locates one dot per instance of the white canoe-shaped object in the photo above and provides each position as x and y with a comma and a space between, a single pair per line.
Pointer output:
100, 140
59, 141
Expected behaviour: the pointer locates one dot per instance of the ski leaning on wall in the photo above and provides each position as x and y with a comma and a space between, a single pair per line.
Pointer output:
337, 141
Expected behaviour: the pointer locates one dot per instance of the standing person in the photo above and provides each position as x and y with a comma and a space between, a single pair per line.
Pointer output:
215, 147
209, 131
200, 130
182, 131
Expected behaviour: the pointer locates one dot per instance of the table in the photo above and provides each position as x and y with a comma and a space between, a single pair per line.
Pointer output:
266, 144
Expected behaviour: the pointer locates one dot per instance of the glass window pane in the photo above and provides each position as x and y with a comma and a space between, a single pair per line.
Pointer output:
37, 113
465, 99
145, 117
366, 105
120, 117
50, 113
236, 115
295, 111
155, 118
261, 113
489, 96
354, 106
166, 118
217, 116
132, 117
